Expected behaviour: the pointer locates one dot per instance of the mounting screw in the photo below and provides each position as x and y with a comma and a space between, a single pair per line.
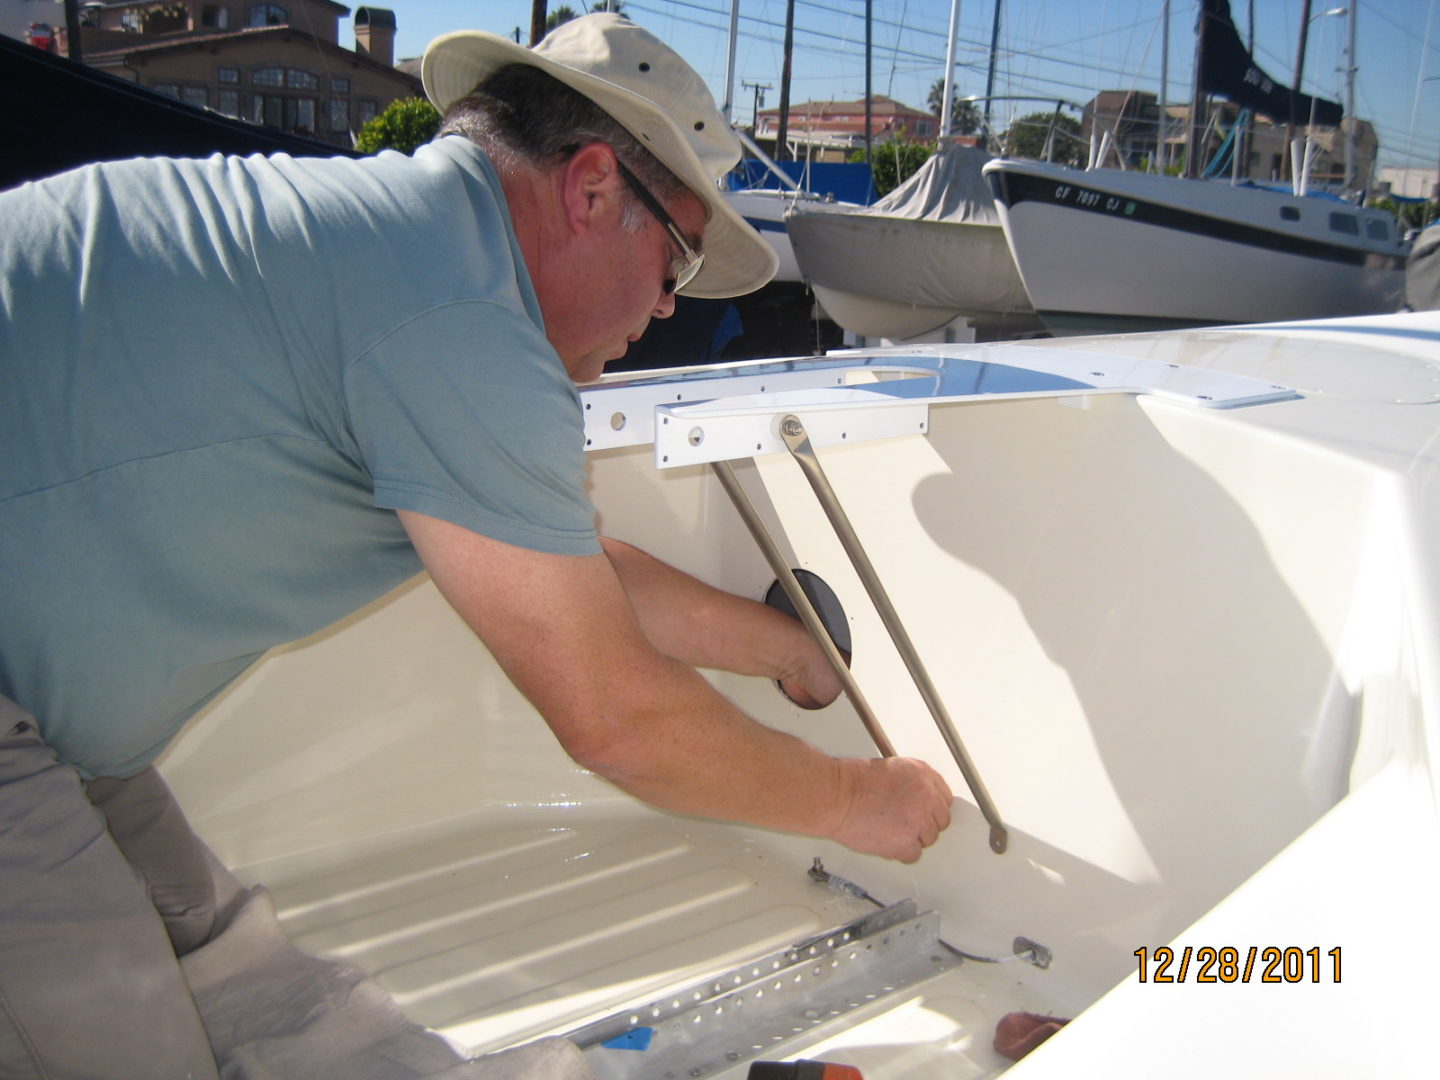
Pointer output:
697, 436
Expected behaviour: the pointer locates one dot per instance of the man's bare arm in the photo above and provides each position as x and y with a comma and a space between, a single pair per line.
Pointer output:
564, 631
700, 625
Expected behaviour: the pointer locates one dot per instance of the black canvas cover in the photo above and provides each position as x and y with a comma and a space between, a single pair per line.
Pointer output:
1228, 70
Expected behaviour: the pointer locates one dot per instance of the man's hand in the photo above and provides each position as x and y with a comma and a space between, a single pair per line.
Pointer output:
810, 681
894, 807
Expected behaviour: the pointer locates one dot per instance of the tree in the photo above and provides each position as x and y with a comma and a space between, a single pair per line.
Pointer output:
616, 7
562, 14
1027, 138
404, 125
964, 116
894, 161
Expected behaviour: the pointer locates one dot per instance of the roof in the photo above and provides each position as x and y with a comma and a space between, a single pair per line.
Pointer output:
247, 36
880, 105
115, 5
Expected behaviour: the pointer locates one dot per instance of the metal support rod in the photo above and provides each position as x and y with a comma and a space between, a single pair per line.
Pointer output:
793, 432
801, 602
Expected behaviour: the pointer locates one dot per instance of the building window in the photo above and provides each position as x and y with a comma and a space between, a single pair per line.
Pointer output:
198, 96
268, 77
267, 110
215, 17
365, 111
228, 102
340, 86
165, 19
228, 75
296, 79
168, 89
300, 115
268, 15
284, 113
339, 115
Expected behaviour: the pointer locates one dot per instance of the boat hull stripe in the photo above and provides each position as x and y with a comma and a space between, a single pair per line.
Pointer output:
1011, 189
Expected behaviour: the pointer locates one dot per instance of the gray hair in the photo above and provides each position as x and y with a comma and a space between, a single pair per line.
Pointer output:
521, 115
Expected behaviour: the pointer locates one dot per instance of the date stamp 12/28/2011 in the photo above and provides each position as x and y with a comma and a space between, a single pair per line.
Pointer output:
1231, 964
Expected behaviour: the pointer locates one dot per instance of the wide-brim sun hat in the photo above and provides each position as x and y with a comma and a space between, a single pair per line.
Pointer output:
653, 94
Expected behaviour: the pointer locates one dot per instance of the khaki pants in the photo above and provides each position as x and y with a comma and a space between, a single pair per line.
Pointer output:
90, 985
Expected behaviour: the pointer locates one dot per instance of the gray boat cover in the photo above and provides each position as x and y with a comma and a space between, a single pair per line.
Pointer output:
948, 187
1422, 272
935, 242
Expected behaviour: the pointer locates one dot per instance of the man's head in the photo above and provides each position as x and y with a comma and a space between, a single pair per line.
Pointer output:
651, 93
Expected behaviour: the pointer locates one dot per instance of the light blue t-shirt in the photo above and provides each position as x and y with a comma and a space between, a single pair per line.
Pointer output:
218, 380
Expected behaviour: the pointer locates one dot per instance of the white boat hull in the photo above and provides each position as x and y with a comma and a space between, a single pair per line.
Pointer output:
1102, 248
891, 277
1192, 652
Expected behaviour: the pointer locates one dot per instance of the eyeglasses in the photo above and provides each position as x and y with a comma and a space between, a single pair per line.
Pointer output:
684, 268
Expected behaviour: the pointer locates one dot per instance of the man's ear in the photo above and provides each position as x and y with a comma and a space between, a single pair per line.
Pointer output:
590, 185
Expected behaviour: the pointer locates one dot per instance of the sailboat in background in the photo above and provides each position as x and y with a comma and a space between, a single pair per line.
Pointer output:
930, 251
1104, 249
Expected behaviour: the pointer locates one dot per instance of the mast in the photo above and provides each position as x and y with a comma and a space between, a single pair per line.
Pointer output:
868, 107
1197, 101
947, 111
781, 151
1349, 121
1161, 150
730, 61
1296, 87
990, 77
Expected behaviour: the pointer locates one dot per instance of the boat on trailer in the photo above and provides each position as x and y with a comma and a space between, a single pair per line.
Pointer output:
1162, 608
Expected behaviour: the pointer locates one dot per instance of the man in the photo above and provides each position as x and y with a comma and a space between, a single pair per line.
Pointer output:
241, 398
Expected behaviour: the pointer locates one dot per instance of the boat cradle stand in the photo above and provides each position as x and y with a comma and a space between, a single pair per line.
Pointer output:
715, 417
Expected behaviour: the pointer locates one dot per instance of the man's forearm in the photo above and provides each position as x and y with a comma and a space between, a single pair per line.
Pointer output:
700, 625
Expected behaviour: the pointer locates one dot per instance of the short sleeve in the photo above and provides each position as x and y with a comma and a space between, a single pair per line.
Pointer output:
466, 413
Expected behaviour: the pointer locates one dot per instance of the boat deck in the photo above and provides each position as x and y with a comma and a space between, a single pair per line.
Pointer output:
495, 935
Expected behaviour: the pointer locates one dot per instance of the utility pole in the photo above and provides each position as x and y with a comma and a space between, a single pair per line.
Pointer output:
537, 21
758, 100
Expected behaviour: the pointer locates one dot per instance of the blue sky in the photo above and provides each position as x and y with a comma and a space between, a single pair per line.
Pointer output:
1066, 48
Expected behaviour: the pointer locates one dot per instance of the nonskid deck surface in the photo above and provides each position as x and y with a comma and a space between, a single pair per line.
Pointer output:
499, 933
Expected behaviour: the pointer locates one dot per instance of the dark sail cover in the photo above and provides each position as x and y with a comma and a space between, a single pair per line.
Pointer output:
1228, 70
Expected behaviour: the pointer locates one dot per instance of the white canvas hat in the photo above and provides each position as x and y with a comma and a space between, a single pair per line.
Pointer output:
653, 94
